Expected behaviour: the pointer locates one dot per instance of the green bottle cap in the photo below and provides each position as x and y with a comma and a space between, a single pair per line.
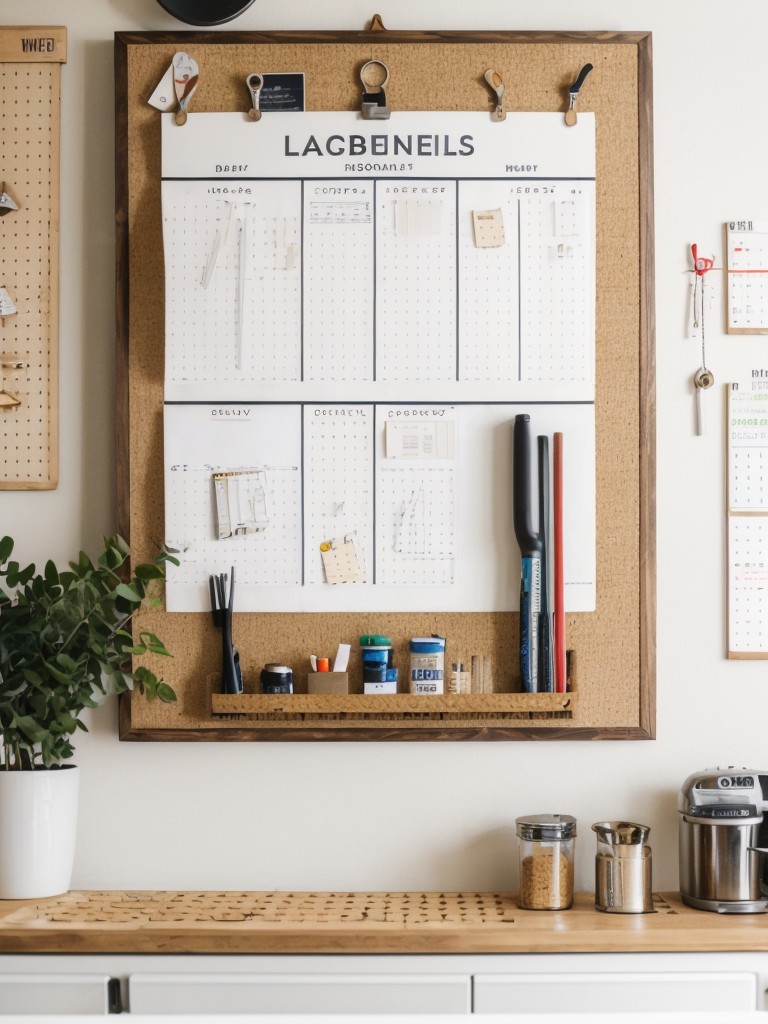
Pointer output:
374, 640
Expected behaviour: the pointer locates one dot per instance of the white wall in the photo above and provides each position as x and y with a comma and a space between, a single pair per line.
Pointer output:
424, 815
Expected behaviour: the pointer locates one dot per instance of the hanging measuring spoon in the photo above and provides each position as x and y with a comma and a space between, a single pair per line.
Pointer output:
703, 380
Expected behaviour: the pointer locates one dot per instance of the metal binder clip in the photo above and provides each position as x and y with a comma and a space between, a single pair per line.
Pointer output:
185, 75
573, 92
374, 75
7, 205
493, 78
254, 85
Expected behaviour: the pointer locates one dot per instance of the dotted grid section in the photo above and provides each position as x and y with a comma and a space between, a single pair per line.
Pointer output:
28, 126
277, 908
747, 581
338, 483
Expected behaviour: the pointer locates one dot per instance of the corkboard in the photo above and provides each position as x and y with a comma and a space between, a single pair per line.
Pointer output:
612, 669
30, 129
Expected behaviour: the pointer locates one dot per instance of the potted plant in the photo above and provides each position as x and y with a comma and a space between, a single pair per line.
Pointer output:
63, 640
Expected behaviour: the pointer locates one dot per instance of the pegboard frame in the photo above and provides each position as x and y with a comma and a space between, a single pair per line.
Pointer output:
640, 724
30, 125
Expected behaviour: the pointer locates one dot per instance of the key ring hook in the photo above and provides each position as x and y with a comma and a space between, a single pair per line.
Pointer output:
373, 82
374, 75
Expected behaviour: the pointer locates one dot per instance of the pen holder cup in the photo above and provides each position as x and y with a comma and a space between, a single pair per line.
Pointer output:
328, 682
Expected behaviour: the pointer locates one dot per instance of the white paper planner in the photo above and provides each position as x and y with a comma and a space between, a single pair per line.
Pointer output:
747, 514
355, 313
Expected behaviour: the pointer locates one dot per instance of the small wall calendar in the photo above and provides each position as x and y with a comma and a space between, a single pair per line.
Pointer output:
747, 514
747, 273
355, 313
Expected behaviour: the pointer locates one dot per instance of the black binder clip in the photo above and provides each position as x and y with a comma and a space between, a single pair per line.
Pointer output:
573, 92
254, 83
374, 75
221, 608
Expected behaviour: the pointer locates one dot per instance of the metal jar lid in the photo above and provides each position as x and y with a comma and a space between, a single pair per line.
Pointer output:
276, 675
542, 827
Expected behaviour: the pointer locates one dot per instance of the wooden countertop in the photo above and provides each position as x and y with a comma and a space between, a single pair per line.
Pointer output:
292, 922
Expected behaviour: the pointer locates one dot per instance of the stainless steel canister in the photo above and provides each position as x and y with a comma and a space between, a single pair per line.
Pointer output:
623, 882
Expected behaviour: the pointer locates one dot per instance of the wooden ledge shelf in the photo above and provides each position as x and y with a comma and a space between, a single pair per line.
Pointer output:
401, 708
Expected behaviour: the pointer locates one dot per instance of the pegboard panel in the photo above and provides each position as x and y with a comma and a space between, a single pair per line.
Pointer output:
613, 649
30, 72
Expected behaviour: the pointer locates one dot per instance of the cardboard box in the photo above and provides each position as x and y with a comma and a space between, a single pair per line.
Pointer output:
328, 682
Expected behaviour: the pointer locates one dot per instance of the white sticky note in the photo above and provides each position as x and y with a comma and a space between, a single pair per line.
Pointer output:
340, 561
432, 440
489, 228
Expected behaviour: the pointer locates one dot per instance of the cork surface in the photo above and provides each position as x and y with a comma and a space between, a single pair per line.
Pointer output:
612, 649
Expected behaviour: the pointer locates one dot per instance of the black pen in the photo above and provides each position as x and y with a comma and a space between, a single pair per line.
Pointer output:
222, 607
530, 555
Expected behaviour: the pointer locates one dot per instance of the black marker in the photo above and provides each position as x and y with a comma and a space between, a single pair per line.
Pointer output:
530, 552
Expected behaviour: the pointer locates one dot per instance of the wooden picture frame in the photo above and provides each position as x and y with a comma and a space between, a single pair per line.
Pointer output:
612, 668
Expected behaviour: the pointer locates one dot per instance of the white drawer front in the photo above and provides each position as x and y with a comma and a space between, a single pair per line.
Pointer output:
298, 993
614, 993
54, 993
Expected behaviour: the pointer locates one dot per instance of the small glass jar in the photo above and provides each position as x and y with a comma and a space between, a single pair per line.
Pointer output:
276, 679
546, 861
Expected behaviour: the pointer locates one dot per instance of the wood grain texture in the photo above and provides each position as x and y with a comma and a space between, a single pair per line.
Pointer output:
33, 44
613, 657
380, 922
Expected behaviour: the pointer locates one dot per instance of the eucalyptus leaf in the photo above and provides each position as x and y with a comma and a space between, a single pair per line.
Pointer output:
6, 548
166, 693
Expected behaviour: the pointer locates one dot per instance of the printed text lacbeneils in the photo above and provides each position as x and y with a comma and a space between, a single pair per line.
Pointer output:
381, 145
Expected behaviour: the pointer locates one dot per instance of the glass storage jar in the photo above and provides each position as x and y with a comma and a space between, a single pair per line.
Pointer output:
546, 861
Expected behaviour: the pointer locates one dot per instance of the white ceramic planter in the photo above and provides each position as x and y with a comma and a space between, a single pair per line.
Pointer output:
38, 829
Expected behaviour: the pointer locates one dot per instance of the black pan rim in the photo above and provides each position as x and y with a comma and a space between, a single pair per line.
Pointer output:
181, 9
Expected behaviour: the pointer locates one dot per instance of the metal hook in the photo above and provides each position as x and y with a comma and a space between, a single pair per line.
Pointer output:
254, 84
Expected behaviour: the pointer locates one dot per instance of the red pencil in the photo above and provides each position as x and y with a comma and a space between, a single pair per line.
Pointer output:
561, 679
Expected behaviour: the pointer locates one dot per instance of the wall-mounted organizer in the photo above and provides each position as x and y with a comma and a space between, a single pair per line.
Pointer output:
30, 129
164, 411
